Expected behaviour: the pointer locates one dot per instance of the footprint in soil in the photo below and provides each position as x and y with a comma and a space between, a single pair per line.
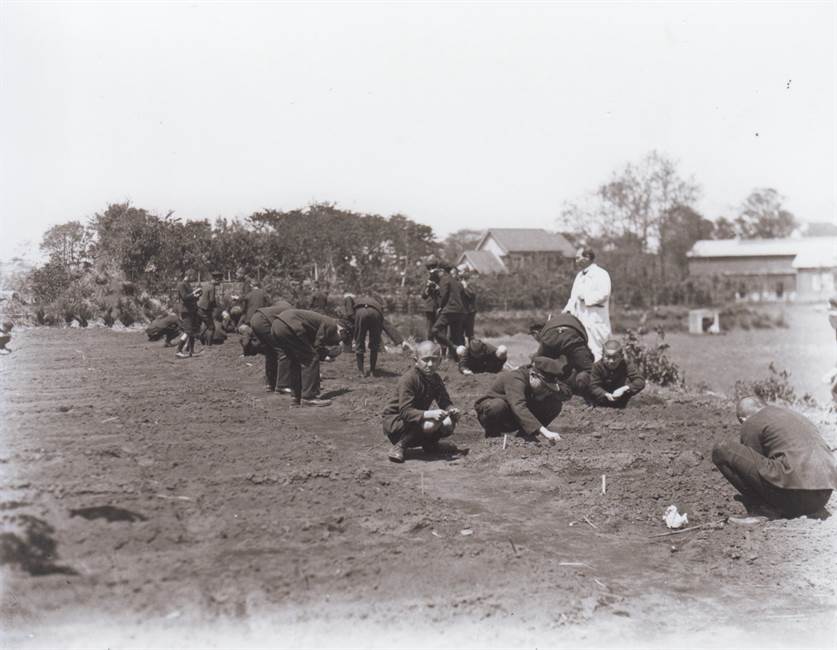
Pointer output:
111, 513
31, 547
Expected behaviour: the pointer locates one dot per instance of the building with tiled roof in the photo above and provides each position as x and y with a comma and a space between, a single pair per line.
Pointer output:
506, 249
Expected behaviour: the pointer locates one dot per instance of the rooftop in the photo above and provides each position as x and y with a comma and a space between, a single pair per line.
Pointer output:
784, 247
528, 240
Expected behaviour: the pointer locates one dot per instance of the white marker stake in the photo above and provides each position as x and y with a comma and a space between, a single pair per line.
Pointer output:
604, 484
505, 441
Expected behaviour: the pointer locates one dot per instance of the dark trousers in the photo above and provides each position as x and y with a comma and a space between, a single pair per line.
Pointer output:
205, 316
740, 465
429, 321
410, 434
368, 322
447, 330
496, 416
303, 361
580, 359
276, 364
468, 326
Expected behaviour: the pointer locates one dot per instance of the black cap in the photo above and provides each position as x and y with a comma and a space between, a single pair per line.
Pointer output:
551, 369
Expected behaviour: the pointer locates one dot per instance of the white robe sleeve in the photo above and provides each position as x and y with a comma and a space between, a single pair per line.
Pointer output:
597, 289
572, 303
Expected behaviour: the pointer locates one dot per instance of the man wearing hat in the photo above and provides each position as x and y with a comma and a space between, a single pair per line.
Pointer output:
189, 320
207, 303
449, 327
614, 379
479, 356
525, 400
565, 336
430, 297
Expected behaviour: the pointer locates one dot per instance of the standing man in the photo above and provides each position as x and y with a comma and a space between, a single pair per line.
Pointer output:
319, 299
781, 462
254, 299
207, 303
430, 298
590, 300
470, 294
449, 327
189, 319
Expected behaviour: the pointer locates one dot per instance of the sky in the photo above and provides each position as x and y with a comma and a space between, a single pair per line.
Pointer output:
456, 115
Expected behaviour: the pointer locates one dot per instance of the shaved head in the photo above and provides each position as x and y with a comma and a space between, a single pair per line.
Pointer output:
748, 406
428, 349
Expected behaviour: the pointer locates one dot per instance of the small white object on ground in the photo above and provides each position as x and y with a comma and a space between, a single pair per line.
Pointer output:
466, 532
673, 518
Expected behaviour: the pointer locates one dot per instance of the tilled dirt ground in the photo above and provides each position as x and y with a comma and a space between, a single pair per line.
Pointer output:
151, 499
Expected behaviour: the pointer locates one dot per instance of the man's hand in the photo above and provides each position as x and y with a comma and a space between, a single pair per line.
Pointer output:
611, 397
435, 414
454, 413
552, 436
467, 371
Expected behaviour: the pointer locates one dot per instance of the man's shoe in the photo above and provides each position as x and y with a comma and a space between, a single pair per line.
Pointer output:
182, 355
396, 454
316, 402
284, 390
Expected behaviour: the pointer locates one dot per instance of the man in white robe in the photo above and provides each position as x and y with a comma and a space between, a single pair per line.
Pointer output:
589, 300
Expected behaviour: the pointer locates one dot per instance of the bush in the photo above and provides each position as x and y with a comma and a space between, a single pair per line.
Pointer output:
653, 362
776, 387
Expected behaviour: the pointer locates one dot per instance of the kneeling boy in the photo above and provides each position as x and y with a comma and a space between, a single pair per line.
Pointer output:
526, 399
408, 420
614, 379
479, 356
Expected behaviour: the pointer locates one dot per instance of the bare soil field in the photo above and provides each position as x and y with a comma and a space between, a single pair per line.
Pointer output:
147, 501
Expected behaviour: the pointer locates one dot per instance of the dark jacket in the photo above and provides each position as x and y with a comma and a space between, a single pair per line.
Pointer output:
800, 458
604, 380
564, 335
470, 296
451, 296
317, 330
272, 312
188, 302
209, 298
253, 300
430, 297
161, 325
481, 357
416, 393
513, 387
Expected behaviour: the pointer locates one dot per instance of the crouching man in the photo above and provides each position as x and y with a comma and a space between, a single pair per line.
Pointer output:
525, 400
565, 336
408, 420
167, 326
479, 356
781, 461
614, 379
5, 336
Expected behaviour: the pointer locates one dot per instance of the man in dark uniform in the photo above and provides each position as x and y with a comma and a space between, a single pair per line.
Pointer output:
167, 326
319, 299
469, 293
408, 420
301, 334
254, 299
527, 400
365, 317
565, 336
448, 329
189, 320
614, 379
256, 338
207, 303
479, 356
430, 298
781, 461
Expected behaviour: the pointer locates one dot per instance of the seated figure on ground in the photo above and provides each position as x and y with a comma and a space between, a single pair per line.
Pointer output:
408, 419
781, 463
614, 379
479, 356
166, 326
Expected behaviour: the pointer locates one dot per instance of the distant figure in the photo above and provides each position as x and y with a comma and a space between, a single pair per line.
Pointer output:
408, 420
189, 319
469, 292
256, 338
781, 462
319, 300
526, 400
832, 318
254, 299
167, 326
5, 336
365, 319
207, 303
590, 300
478, 356
430, 298
614, 379
449, 329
